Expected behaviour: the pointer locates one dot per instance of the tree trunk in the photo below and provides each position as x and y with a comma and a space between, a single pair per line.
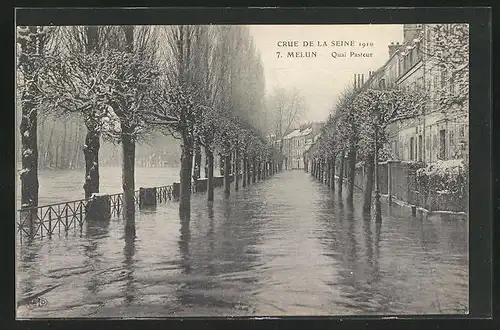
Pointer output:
237, 162
245, 170
40, 143
47, 156
368, 184
321, 170
341, 172
221, 164
77, 148
91, 153
64, 147
227, 169
197, 162
128, 181
206, 163
210, 169
185, 175
332, 174
328, 172
74, 145
29, 156
254, 170
351, 174
56, 158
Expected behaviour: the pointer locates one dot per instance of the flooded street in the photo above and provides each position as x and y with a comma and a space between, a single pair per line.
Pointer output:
283, 246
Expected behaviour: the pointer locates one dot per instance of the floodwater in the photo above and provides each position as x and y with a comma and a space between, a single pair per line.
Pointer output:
284, 246
56, 186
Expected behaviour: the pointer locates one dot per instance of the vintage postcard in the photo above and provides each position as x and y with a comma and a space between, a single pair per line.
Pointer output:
242, 170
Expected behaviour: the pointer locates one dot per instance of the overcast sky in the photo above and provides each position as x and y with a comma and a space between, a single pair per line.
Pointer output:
323, 78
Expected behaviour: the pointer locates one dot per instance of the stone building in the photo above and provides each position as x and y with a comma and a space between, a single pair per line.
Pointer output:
439, 134
296, 143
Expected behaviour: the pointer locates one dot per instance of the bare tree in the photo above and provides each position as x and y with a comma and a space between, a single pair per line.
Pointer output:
446, 47
133, 71
176, 100
348, 132
32, 50
287, 107
380, 108
89, 40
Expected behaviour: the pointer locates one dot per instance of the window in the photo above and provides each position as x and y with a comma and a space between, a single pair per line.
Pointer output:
443, 77
452, 85
420, 84
412, 149
442, 144
382, 84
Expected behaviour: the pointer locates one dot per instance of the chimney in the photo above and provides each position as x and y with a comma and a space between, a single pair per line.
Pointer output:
393, 48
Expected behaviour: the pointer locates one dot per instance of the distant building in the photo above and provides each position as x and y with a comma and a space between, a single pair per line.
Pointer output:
297, 142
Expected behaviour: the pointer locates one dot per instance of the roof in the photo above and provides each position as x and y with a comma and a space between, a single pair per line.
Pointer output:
305, 132
292, 134
298, 133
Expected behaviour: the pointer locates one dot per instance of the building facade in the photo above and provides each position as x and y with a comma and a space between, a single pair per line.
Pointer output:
297, 142
440, 133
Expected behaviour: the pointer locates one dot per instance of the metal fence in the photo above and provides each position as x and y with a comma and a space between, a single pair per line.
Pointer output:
359, 178
47, 219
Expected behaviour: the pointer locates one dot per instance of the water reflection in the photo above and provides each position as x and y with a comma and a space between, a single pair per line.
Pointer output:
29, 269
376, 254
184, 238
210, 238
285, 246
130, 290
95, 231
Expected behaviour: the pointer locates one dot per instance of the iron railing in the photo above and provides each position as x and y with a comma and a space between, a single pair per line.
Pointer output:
164, 193
44, 220
47, 219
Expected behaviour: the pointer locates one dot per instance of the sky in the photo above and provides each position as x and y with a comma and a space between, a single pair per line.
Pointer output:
321, 79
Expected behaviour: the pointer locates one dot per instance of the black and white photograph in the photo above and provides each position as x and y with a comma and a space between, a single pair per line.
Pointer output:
226, 170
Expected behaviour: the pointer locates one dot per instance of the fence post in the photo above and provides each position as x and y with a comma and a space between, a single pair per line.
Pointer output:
66, 227
50, 221
99, 207
81, 215
176, 190
147, 197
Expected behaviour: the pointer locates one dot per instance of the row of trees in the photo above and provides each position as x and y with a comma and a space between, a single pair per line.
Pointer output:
358, 127
357, 131
201, 84
60, 146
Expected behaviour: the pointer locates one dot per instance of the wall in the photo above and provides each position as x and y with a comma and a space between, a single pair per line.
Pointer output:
406, 187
